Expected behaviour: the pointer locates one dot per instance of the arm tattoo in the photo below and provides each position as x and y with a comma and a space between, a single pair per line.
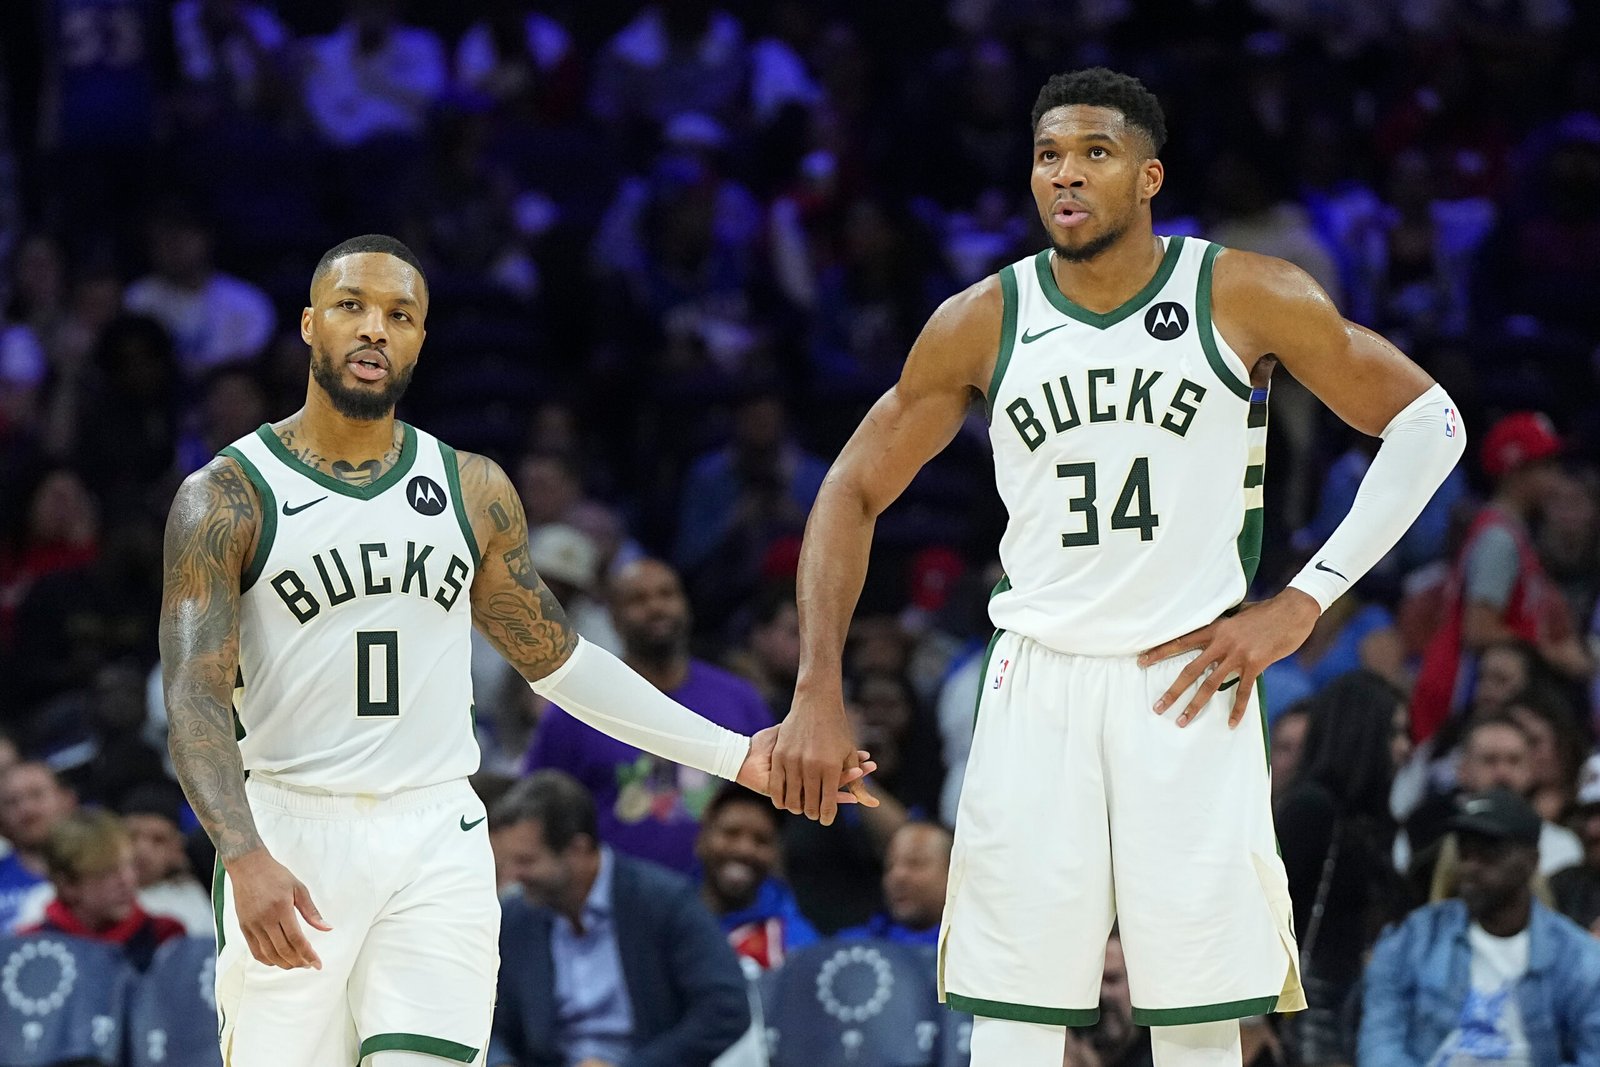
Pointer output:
511, 605
209, 531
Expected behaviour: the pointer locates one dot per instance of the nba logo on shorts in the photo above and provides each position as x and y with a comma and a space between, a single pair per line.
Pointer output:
1449, 422
1000, 675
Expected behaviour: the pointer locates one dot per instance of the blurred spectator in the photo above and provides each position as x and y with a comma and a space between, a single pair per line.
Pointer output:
151, 815
1495, 754
522, 59
129, 392
1114, 1037
90, 860
1505, 668
230, 55
650, 808
213, 317
677, 57
93, 736
1495, 977
552, 491
1499, 589
1569, 539
740, 882
1287, 744
770, 654
608, 960
373, 77
232, 404
1555, 749
916, 877
1337, 836
1577, 889
569, 562
1353, 634
58, 529
32, 802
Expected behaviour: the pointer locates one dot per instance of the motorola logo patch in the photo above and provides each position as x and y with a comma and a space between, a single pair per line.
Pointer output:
424, 495
1166, 321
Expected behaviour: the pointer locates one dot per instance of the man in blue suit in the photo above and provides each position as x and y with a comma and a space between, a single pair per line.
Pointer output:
605, 961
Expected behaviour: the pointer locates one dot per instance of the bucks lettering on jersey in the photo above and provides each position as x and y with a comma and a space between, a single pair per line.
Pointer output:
1129, 451
355, 623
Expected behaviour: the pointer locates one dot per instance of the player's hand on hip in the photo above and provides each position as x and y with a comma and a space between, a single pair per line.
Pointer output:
756, 772
1237, 647
813, 759
265, 898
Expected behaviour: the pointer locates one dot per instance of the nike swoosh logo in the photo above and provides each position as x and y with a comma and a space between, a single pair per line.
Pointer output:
1029, 338
287, 510
1321, 566
465, 825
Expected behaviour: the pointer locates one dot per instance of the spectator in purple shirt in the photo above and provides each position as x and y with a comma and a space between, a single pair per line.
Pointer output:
648, 807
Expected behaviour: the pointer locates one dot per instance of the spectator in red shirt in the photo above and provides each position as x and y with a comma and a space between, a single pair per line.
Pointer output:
90, 860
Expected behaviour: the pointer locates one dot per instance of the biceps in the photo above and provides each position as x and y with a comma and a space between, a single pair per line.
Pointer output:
901, 433
516, 611
1363, 378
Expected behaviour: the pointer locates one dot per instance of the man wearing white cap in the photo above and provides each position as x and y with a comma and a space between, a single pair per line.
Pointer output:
1577, 889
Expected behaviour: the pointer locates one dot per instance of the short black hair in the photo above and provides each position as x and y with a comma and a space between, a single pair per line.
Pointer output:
1101, 87
732, 793
558, 802
369, 242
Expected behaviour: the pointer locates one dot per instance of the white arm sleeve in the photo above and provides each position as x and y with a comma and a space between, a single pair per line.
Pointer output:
599, 689
1421, 445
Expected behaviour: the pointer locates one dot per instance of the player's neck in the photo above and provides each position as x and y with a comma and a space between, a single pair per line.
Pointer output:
1112, 278
339, 437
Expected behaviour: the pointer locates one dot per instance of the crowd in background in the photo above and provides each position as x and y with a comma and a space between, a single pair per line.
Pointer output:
674, 251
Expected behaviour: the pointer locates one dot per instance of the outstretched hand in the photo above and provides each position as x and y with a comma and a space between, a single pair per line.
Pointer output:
756, 772
1236, 648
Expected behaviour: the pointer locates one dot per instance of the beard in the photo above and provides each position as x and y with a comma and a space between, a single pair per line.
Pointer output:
364, 405
1091, 248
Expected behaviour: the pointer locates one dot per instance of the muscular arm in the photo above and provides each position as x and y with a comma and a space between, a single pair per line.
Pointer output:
511, 605
908, 426
210, 532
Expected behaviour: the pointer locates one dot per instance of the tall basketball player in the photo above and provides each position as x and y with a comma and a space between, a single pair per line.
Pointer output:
322, 575
1125, 376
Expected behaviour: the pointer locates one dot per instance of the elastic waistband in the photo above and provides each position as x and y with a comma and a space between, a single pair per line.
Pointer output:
287, 798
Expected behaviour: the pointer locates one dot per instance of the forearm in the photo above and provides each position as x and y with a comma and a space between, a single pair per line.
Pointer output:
206, 757
833, 568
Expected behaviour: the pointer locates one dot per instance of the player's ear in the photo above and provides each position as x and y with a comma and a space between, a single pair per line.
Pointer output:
1155, 176
305, 325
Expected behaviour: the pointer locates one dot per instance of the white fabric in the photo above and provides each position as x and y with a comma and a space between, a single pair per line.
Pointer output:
1559, 848
1490, 1029
1007, 1043
184, 899
1421, 445
224, 321
1197, 1045
1082, 805
599, 689
407, 883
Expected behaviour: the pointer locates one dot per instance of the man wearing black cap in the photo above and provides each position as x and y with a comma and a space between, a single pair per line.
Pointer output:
1494, 977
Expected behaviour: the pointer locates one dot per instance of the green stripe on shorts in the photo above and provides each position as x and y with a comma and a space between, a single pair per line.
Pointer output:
1023, 1013
1204, 1013
218, 873
432, 1046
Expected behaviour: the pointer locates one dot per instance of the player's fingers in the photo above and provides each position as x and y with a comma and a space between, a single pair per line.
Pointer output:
308, 908
279, 954
299, 946
1208, 689
863, 795
1188, 676
1241, 701
1177, 646
794, 789
262, 953
776, 780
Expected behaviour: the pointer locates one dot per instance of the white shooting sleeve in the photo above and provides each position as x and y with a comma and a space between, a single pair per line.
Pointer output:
599, 689
1421, 445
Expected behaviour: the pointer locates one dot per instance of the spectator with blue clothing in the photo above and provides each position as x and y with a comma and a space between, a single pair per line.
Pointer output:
916, 875
32, 802
1494, 977
738, 850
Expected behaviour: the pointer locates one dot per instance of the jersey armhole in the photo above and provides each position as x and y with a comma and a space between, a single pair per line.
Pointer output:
1008, 335
452, 476
1225, 363
269, 518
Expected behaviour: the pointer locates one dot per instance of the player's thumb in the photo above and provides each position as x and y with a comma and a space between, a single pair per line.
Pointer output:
308, 908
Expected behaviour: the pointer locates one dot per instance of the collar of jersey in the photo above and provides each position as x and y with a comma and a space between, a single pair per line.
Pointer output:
408, 456
1058, 299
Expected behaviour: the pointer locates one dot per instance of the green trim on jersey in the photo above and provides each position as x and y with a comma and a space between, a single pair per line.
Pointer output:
1135, 303
1023, 1013
1008, 335
1249, 542
1208, 335
453, 1051
452, 476
408, 456
1204, 1013
218, 884
269, 517
988, 653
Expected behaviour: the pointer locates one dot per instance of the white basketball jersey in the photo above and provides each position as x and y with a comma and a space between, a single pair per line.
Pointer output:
355, 623
1129, 450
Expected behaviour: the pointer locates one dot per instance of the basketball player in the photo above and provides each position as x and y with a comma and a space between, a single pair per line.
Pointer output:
321, 578
1125, 378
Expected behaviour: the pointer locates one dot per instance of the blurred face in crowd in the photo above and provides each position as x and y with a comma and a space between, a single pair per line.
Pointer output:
1288, 741
650, 611
1544, 756
181, 252
1495, 754
365, 330
548, 489
738, 849
157, 847
234, 406
103, 898
31, 803
1502, 674
879, 714
777, 644
1093, 179
549, 878
1492, 873
916, 874
62, 510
